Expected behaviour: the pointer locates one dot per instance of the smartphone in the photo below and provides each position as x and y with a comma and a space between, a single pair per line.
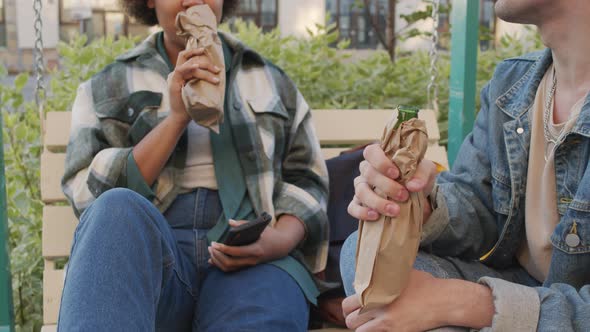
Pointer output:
247, 233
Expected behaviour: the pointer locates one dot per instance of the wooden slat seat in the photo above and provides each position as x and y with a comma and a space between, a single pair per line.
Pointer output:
337, 130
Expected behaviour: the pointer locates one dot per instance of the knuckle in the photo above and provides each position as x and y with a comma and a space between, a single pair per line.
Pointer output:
350, 208
371, 148
363, 166
258, 251
350, 322
391, 189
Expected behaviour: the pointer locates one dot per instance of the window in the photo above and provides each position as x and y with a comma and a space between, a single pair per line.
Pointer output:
107, 20
262, 12
354, 24
2, 25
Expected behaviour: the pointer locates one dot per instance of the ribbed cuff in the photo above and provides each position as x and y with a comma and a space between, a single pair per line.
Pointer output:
517, 306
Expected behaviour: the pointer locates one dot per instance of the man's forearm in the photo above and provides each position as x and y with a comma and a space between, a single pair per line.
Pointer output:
464, 304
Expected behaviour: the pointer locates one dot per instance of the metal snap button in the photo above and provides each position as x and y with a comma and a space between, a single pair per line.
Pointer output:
572, 240
251, 155
520, 131
130, 112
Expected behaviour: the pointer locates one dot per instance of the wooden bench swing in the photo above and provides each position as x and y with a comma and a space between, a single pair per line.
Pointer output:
336, 129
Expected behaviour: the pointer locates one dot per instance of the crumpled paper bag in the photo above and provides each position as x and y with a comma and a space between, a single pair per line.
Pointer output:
204, 101
387, 248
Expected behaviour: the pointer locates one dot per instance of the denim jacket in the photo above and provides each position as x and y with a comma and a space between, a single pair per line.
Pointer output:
480, 204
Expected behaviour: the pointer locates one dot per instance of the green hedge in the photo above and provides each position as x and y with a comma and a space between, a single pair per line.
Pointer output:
326, 77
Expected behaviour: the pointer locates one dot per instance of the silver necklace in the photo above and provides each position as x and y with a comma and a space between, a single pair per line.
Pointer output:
548, 107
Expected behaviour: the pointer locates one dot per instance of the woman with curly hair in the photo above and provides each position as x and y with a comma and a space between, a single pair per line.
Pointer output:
155, 192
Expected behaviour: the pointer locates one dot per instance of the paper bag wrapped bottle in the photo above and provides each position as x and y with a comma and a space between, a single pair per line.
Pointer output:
203, 100
387, 248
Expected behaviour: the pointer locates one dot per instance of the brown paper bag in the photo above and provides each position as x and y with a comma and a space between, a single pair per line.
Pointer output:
203, 100
387, 248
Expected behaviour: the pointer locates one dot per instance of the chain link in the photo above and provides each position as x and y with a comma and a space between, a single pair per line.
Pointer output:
39, 61
432, 89
39, 64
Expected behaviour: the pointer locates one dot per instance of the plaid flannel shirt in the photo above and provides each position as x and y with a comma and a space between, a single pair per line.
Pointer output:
276, 141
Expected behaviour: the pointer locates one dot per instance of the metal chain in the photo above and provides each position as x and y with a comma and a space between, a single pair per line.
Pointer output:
432, 89
39, 60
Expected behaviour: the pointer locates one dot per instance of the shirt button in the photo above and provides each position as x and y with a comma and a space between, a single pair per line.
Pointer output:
130, 112
572, 240
519, 131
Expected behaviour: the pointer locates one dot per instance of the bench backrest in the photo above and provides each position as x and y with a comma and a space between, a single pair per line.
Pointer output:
336, 129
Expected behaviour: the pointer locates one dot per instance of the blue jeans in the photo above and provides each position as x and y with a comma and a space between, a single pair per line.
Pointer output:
134, 269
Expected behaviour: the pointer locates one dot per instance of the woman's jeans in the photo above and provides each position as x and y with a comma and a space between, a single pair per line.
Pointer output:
134, 269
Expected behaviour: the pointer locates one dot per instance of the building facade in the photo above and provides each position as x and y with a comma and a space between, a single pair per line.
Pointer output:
62, 19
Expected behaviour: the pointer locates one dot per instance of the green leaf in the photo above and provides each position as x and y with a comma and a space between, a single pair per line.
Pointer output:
20, 81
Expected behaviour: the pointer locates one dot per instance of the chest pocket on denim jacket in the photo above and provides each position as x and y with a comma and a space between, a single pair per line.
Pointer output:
271, 119
570, 262
501, 193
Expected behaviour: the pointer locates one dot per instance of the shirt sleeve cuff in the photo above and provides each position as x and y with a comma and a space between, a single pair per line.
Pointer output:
438, 220
135, 180
517, 306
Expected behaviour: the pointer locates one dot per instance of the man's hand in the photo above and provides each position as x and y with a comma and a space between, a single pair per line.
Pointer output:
274, 243
426, 303
378, 171
411, 311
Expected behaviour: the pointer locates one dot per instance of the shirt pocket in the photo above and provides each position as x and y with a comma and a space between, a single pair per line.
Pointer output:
501, 193
130, 119
272, 120
268, 105
128, 109
570, 263
578, 229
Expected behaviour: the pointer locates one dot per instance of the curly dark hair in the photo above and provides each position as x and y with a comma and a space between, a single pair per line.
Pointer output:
139, 10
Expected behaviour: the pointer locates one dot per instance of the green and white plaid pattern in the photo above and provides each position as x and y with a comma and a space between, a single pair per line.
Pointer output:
277, 145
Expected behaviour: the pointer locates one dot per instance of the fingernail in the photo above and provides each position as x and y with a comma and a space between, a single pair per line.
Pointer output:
415, 184
373, 215
391, 210
216, 80
402, 195
392, 173
217, 68
214, 244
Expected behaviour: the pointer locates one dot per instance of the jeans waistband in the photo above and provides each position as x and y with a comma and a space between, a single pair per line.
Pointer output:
198, 209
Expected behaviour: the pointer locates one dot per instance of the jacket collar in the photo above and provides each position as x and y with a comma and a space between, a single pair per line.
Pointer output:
519, 98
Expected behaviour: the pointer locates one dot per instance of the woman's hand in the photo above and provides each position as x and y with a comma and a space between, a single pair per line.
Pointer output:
274, 243
191, 64
378, 171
